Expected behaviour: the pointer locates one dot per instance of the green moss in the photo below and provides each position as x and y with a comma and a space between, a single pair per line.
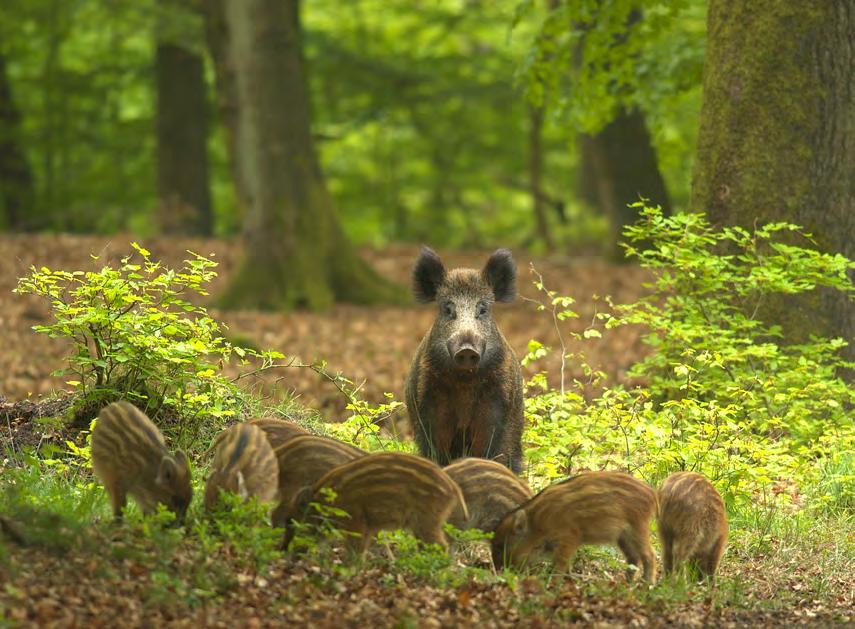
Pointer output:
762, 101
759, 138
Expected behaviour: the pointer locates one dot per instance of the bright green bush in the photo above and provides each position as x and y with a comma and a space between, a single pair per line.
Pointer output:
707, 330
136, 334
723, 393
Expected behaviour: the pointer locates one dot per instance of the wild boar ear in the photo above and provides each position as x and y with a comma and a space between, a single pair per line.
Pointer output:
500, 273
519, 522
428, 275
167, 472
181, 460
241, 486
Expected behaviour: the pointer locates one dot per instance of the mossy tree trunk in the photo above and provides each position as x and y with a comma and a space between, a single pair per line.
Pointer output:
17, 192
777, 133
182, 135
618, 166
296, 254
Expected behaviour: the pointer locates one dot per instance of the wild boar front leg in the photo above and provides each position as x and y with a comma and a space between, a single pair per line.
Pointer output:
118, 498
562, 557
667, 541
635, 546
488, 431
708, 563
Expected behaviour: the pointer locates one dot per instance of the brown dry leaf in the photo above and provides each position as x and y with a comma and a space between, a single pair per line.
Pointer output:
374, 345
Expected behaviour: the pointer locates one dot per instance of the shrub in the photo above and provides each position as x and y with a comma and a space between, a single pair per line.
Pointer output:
723, 393
136, 334
706, 324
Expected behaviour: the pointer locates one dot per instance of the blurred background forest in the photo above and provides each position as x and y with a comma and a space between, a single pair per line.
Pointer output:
458, 123
308, 133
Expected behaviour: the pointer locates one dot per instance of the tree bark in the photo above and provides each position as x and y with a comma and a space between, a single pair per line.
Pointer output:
182, 137
535, 171
296, 254
777, 133
617, 166
217, 36
17, 192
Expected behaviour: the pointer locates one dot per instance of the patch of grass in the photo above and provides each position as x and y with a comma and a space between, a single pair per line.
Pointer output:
777, 561
51, 508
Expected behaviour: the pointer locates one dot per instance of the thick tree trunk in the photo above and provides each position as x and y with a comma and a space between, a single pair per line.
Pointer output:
777, 133
17, 192
535, 173
296, 253
618, 165
217, 36
182, 137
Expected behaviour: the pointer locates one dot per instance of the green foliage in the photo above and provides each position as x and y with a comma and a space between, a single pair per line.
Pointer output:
712, 339
434, 85
51, 510
437, 86
723, 393
362, 428
588, 58
81, 75
321, 523
239, 526
136, 334
429, 562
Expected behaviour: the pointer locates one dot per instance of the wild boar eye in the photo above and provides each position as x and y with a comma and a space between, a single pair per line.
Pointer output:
482, 310
448, 310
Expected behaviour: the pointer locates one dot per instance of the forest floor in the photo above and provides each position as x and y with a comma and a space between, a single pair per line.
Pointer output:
781, 575
370, 345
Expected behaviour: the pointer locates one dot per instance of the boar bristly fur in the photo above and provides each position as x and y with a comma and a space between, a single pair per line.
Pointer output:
464, 389
129, 456
384, 491
490, 489
278, 431
302, 462
592, 508
244, 464
692, 523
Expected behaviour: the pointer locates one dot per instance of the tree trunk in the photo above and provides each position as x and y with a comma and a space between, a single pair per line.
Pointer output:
777, 133
17, 192
617, 166
535, 172
182, 137
296, 253
217, 36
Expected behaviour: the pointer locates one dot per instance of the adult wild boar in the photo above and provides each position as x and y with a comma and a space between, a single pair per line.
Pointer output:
464, 390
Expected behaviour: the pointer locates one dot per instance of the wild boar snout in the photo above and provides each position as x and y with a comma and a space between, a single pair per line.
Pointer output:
466, 350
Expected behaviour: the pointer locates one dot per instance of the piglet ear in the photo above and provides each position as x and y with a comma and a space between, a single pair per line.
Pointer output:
500, 273
167, 472
519, 522
428, 275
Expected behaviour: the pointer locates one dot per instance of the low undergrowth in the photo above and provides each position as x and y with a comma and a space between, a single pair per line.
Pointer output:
779, 564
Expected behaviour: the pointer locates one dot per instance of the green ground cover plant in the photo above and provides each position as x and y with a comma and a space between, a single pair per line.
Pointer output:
136, 333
